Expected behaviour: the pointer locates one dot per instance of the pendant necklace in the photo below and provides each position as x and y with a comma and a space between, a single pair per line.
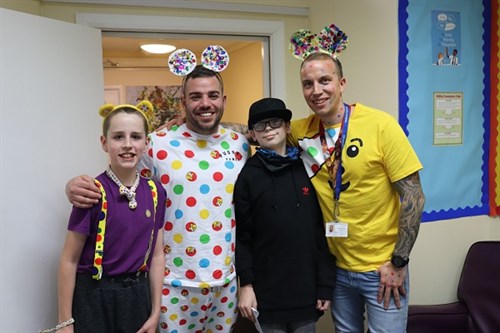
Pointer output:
128, 192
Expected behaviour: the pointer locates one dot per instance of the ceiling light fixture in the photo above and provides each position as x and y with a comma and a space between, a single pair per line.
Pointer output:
157, 48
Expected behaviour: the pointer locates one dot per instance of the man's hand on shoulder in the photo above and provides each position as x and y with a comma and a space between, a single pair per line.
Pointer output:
82, 192
241, 128
175, 120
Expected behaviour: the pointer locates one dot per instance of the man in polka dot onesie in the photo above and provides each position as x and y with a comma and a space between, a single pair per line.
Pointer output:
197, 163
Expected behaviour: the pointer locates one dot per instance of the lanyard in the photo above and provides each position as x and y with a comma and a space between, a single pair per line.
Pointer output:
334, 159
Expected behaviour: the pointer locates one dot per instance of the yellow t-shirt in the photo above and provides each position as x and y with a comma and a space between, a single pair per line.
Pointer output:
376, 154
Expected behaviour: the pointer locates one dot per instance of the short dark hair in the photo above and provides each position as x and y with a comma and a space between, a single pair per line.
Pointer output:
202, 71
324, 56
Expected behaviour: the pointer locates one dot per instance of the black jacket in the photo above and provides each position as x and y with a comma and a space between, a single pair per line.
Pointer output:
281, 247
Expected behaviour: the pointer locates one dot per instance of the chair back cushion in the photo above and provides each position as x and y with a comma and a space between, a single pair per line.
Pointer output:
479, 286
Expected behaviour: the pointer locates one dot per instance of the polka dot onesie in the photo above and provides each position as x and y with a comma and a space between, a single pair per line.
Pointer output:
198, 173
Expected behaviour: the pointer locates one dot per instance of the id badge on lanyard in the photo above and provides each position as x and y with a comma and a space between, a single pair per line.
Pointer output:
337, 228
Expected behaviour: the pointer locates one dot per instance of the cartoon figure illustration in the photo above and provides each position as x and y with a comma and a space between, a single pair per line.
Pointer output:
453, 57
440, 59
447, 59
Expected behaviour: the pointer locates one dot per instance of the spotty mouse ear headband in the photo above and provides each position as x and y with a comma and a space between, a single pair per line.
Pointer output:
182, 62
145, 108
331, 40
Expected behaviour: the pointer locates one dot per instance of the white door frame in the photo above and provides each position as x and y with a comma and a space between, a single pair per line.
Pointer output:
274, 30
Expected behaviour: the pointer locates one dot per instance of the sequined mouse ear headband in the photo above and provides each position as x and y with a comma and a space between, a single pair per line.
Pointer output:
182, 62
331, 40
144, 107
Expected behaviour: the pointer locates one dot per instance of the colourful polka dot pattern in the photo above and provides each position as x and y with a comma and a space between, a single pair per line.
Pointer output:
101, 230
198, 173
205, 309
312, 151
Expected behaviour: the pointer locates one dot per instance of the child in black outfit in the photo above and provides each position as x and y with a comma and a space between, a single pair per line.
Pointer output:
285, 269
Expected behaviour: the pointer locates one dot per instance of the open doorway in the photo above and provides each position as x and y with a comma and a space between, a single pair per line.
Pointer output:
131, 74
274, 31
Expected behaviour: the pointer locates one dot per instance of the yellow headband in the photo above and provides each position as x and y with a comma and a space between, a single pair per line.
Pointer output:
144, 107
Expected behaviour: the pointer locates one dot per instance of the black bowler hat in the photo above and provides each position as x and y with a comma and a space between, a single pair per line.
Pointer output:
268, 108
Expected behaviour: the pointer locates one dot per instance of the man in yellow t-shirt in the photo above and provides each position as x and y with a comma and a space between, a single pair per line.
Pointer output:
365, 173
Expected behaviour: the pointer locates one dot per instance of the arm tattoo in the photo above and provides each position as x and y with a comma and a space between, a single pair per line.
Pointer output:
412, 205
240, 128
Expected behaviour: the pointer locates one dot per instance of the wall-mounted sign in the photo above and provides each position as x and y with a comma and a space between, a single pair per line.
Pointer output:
448, 118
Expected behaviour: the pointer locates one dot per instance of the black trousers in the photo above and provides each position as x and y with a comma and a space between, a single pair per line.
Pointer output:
118, 304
